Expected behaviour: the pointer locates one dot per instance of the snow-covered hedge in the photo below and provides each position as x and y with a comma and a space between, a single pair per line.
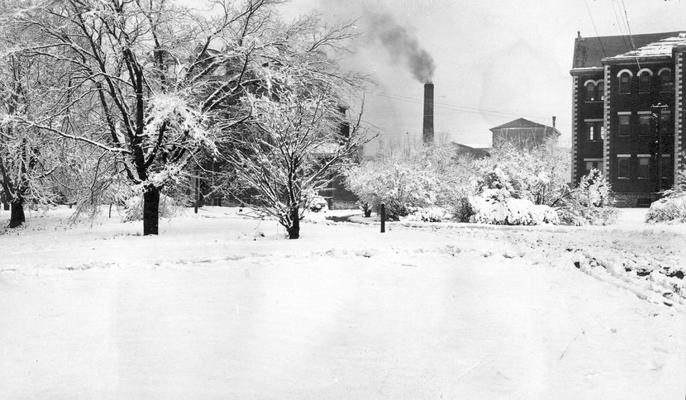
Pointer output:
671, 208
430, 214
510, 211
133, 208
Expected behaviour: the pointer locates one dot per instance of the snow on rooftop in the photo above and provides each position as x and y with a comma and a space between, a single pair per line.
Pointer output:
656, 49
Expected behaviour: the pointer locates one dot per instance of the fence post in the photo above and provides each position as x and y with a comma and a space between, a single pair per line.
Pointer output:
196, 195
383, 218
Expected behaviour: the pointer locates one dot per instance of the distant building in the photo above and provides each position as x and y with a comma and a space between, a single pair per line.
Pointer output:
473, 152
524, 134
617, 83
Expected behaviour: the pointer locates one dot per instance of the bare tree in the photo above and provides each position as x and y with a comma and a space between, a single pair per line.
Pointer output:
298, 132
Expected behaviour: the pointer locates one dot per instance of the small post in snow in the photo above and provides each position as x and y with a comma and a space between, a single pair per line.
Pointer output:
383, 218
197, 196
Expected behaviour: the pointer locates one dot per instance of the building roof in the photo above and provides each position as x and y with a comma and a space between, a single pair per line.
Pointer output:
660, 48
589, 51
474, 152
523, 123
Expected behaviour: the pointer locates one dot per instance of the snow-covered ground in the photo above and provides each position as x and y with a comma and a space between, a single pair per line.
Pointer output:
220, 306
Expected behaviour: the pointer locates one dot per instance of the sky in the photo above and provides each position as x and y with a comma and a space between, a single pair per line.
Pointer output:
495, 61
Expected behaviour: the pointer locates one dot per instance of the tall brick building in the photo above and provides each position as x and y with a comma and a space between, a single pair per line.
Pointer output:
618, 83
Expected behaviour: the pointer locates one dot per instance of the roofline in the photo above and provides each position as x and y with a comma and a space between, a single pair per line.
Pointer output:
545, 128
632, 60
583, 70
634, 35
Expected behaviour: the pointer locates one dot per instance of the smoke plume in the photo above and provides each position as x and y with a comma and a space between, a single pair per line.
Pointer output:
401, 45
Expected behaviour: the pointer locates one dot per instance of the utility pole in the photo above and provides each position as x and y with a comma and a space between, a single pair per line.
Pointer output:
656, 115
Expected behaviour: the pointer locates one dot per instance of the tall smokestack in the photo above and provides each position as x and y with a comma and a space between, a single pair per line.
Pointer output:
554, 118
428, 126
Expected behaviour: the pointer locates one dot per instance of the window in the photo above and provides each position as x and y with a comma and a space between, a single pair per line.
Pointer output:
643, 171
624, 81
644, 124
666, 80
600, 89
644, 80
591, 163
623, 167
666, 121
590, 131
667, 166
590, 91
593, 129
624, 124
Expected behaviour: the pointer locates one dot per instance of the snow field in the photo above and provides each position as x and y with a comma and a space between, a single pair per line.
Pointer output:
220, 306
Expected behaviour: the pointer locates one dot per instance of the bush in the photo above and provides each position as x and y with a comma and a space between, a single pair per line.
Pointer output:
668, 209
133, 208
403, 182
462, 209
672, 207
540, 175
511, 211
430, 214
591, 203
315, 202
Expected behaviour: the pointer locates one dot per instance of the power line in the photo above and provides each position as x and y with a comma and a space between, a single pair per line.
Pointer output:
631, 38
463, 109
620, 23
590, 14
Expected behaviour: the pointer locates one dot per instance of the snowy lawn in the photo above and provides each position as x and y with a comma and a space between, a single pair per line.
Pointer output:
220, 306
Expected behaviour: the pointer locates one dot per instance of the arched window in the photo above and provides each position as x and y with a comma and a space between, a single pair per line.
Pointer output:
666, 80
624, 81
644, 80
590, 91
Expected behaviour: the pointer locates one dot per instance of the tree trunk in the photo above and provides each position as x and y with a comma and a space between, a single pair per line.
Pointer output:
294, 229
151, 210
17, 217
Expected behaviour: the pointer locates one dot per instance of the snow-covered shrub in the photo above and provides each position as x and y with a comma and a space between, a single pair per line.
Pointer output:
540, 175
510, 211
317, 204
405, 181
591, 203
430, 214
133, 208
671, 208
462, 209
516, 187
366, 208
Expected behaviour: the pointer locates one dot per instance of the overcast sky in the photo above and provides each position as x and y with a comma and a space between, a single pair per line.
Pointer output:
495, 60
